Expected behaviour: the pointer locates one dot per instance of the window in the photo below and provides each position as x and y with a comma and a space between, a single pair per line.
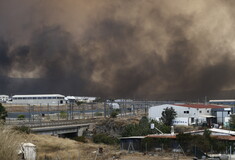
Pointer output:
208, 111
200, 111
186, 112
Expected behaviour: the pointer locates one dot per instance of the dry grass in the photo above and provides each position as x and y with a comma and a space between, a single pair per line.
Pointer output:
63, 149
59, 148
9, 143
54, 148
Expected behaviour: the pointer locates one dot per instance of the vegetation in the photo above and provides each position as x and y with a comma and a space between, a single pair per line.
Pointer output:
80, 139
9, 144
232, 122
98, 114
205, 142
3, 112
104, 138
98, 99
143, 128
23, 129
63, 114
168, 115
79, 103
21, 117
114, 114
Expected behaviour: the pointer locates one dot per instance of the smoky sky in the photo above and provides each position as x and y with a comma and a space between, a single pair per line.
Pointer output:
149, 49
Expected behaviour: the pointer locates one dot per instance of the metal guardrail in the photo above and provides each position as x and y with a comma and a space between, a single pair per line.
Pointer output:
35, 124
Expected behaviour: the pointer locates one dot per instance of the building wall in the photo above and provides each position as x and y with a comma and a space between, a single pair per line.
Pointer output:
194, 115
4, 98
38, 99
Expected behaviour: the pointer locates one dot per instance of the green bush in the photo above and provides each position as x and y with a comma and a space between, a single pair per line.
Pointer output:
21, 117
114, 114
103, 138
80, 139
98, 114
63, 114
3, 112
23, 129
143, 128
203, 142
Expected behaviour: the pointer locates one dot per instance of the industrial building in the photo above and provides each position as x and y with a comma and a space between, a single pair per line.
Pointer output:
4, 98
187, 114
85, 99
223, 102
39, 99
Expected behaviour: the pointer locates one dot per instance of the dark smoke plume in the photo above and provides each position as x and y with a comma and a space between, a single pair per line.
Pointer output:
148, 49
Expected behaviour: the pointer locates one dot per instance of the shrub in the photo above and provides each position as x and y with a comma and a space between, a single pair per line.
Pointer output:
98, 114
63, 114
21, 117
103, 138
23, 129
3, 112
114, 114
80, 139
143, 128
204, 142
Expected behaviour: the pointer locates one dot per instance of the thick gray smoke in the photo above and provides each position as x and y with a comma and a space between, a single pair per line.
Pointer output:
136, 49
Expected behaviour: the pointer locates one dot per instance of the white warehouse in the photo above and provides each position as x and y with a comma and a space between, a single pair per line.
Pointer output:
187, 114
4, 98
39, 99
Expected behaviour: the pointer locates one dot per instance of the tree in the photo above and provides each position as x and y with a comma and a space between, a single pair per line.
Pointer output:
143, 128
3, 112
168, 115
232, 122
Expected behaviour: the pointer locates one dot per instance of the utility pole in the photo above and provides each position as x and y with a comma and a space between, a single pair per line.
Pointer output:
33, 113
29, 111
92, 110
104, 109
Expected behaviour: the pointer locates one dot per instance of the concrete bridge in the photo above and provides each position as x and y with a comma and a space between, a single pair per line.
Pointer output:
58, 128
63, 130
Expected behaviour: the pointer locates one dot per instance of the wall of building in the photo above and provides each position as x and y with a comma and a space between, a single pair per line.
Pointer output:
38, 99
4, 98
194, 115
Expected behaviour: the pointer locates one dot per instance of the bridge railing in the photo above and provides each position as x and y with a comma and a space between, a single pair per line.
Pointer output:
35, 124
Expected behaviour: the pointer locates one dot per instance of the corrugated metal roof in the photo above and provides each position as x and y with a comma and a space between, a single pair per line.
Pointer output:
170, 136
222, 131
133, 137
214, 130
